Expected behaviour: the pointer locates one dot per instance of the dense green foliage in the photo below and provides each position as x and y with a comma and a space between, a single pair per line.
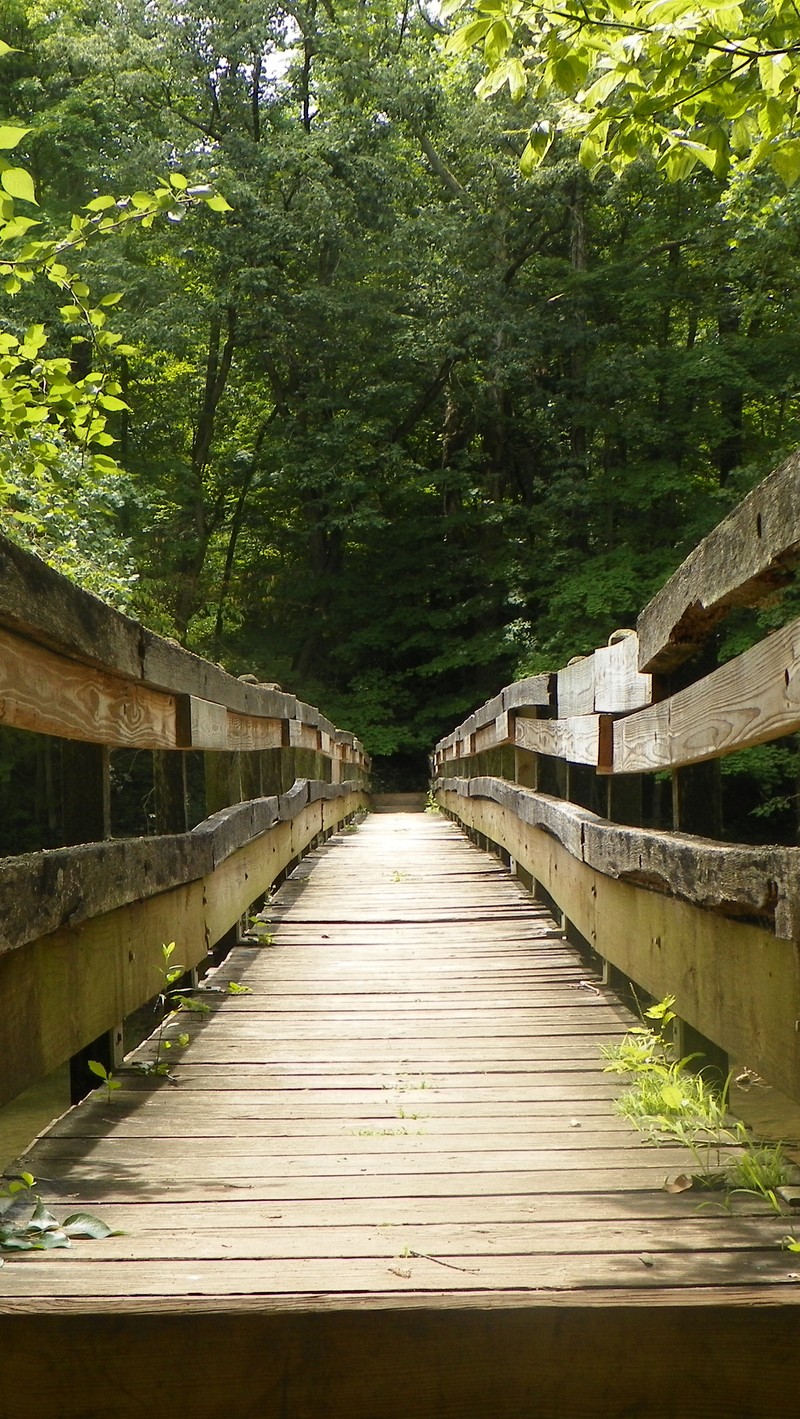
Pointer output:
715, 84
406, 421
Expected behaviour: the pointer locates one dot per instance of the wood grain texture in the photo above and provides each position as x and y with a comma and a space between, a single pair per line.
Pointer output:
393, 1174
56, 638
757, 883
575, 688
581, 739
619, 685
48, 694
736, 983
750, 700
64, 989
749, 555
519, 1354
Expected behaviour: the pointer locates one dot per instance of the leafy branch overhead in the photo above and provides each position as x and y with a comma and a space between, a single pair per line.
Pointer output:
43, 400
714, 85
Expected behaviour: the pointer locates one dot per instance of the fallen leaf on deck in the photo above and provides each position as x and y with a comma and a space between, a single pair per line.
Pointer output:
681, 1183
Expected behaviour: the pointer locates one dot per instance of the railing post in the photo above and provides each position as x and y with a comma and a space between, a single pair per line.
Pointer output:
223, 779
108, 1049
171, 797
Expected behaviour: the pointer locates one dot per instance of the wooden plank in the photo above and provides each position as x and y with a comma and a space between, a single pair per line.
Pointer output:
303, 736
533, 692
458, 1241
735, 983
582, 739
734, 880
575, 687
43, 606
201, 724
321, 1361
619, 686
498, 731
65, 989
749, 555
246, 732
299, 1276
43, 891
44, 692
750, 700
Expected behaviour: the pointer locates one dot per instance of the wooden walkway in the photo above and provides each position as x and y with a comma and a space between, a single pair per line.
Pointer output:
390, 1182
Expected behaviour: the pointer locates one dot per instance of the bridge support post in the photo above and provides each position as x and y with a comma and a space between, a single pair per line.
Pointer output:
108, 1049
171, 797
526, 768
223, 780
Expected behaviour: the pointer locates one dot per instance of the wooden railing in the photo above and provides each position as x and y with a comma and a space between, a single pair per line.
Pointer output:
557, 771
82, 925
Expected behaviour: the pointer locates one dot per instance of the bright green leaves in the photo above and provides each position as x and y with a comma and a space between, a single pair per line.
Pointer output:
39, 1229
508, 71
43, 405
10, 135
667, 79
18, 183
538, 146
217, 203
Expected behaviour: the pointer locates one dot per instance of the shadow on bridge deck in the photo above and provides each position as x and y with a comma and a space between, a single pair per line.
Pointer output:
389, 1183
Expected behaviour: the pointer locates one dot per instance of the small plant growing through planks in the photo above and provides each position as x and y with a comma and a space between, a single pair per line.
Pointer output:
26, 1224
171, 1002
669, 1102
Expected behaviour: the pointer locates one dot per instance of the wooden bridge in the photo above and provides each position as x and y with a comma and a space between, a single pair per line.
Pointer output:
388, 1179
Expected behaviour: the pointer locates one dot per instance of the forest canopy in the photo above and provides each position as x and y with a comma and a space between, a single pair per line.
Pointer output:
439, 390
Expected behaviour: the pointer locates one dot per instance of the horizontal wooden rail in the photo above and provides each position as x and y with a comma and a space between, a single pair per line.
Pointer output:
41, 892
750, 700
717, 925
749, 555
82, 927
109, 907
736, 881
736, 983
73, 667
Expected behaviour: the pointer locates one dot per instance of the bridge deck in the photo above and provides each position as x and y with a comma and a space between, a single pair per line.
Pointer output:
390, 1182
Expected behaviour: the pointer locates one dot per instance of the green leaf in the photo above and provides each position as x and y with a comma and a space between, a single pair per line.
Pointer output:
497, 41
18, 183
51, 1241
112, 403
671, 1096
83, 1224
467, 36
100, 204
178, 181
10, 136
42, 1220
537, 148
786, 161
218, 203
